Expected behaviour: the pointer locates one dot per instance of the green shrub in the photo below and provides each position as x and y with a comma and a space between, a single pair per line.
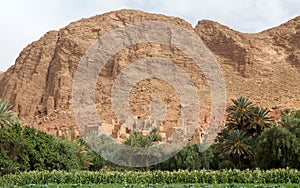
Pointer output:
28, 149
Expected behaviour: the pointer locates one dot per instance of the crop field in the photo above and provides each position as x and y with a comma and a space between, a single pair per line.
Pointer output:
198, 178
161, 186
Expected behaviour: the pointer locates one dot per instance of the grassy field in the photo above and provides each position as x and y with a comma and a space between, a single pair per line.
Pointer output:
162, 186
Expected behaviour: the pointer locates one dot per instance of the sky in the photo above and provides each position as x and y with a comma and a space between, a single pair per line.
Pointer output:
25, 21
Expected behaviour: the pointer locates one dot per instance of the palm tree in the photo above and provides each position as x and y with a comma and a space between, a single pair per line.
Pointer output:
236, 145
82, 153
242, 115
147, 150
259, 121
9, 169
6, 115
131, 142
239, 114
155, 136
143, 146
286, 112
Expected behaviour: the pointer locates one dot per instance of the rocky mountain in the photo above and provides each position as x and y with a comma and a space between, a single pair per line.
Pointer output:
264, 67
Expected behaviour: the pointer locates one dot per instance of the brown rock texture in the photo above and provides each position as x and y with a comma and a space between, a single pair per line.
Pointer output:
264, 67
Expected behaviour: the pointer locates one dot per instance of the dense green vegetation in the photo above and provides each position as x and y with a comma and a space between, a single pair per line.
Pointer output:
27, 149
161, 185
153, 177
249, 140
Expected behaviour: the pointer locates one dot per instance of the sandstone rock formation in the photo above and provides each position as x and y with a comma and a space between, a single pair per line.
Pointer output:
264, 67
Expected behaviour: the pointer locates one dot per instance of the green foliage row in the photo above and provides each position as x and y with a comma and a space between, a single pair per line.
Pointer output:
159, 185
153, 177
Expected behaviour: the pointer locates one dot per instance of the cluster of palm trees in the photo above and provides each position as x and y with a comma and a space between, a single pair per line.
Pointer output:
248, 137
245, 122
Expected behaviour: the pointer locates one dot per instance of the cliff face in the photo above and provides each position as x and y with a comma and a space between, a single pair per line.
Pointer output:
23, 84
264, 67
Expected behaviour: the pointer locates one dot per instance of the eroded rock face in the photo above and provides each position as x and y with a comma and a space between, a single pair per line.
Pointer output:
25, 83
264, 67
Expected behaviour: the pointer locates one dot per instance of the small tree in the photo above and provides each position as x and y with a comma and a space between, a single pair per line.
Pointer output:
278, 148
